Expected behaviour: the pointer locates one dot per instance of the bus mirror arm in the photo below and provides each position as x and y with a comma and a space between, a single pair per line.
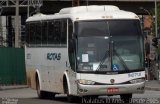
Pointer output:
74, 36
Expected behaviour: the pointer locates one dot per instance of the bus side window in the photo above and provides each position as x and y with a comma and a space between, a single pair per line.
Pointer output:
64, 32
27, 32
57, 31
44, 32
32, 34
38, 33
51, 32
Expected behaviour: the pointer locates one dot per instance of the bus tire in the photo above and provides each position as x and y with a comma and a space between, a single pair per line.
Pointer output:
126, 97
41, 94
70, 98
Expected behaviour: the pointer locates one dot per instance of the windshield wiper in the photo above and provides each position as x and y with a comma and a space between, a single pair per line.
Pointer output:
121, 60
102, 61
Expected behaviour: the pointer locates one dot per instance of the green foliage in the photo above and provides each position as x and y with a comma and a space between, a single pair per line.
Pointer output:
158, 50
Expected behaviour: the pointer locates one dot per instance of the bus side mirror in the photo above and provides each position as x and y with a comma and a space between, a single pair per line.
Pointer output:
74, 36
72, 45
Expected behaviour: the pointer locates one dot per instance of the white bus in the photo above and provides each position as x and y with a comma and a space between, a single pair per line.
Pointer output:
85, 51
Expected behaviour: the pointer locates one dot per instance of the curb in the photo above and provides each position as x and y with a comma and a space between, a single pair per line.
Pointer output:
152, 88
12, 87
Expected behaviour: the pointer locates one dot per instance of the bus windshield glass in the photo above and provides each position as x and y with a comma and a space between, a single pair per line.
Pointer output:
109, 46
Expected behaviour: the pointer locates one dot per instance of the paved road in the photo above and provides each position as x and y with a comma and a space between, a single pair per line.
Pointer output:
29, 96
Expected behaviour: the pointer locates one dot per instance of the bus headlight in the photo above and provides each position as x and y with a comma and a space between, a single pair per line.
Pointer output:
86, 82
137, 80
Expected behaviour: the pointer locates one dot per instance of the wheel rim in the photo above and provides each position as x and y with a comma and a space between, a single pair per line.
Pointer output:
38, 88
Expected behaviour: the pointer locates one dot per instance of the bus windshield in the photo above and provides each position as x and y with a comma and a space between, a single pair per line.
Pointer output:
109, 46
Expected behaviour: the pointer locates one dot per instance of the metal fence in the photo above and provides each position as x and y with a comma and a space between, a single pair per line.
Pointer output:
12, 66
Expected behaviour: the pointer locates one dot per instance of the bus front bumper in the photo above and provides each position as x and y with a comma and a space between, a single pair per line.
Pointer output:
84, 90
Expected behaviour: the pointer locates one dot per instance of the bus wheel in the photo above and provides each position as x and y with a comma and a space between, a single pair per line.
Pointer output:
126, 97
39, 92
49, 95
43, 94
70, 98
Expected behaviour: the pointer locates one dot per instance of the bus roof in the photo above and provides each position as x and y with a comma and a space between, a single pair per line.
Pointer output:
87, 13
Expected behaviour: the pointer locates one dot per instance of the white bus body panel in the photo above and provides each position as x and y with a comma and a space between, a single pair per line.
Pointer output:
87, 13
50, 71
72, 82
105, 81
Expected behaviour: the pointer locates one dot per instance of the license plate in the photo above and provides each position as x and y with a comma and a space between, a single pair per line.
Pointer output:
112, 90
